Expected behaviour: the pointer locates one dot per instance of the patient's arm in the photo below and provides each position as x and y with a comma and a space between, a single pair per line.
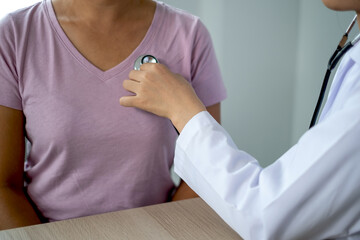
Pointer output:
15, 209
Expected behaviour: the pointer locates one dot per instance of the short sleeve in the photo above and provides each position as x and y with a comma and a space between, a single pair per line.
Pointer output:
9, 85
205, 72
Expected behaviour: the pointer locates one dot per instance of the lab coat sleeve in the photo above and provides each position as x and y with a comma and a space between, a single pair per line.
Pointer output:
311, 192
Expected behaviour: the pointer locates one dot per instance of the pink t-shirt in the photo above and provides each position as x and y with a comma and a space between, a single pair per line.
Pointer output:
90, 155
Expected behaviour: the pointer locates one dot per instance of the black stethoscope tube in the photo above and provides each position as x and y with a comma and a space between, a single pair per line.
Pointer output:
320, 99
334, 59
332, 63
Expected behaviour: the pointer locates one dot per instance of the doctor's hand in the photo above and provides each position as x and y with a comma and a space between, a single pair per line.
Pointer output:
159, 91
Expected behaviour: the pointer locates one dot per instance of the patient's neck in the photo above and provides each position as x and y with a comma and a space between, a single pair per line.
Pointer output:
98, 11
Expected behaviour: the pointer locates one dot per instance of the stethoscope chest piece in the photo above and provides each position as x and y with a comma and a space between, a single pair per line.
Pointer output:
144, 59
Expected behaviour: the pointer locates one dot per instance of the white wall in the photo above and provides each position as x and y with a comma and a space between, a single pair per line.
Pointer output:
272, 55
259, 53
9, 6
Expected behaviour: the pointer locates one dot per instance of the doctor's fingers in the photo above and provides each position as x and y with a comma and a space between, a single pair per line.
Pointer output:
149, 71
128, 101
131, 86
142, 76
145, 94
144, 102
154, 67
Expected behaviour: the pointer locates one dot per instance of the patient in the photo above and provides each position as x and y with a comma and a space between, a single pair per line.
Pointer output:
62, 64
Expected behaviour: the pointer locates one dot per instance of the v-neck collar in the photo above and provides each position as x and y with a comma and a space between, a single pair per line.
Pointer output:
122, 66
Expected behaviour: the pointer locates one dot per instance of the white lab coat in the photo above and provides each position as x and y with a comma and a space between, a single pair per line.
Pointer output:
311, 192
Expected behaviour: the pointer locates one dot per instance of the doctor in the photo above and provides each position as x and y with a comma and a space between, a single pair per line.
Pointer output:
311, 192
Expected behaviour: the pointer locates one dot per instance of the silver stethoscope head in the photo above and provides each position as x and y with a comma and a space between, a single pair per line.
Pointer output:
144, 59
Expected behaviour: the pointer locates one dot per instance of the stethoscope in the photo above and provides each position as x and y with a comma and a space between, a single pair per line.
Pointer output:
341, 49
144, 59
147, 58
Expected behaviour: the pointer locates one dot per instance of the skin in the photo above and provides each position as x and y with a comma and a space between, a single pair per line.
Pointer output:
106, 23
14, 207
159, 91
343, 5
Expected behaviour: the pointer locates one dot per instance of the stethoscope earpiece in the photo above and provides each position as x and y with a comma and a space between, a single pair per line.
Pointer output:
144, 59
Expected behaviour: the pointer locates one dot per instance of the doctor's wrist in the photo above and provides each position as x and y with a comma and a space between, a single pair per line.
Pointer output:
181, 118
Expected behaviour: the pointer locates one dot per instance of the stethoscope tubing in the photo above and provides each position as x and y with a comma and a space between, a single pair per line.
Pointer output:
320, 98
339, 52
331, 65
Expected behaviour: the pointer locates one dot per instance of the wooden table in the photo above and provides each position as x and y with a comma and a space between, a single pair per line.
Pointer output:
187, 219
